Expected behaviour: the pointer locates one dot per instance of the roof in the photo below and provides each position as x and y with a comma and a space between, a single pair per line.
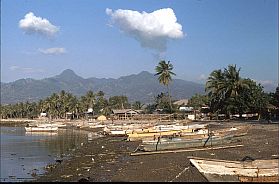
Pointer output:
123, 111
181, 102
102, 118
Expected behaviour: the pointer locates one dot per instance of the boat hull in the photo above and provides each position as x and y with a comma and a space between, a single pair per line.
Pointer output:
225, 170
180, 143
41, 129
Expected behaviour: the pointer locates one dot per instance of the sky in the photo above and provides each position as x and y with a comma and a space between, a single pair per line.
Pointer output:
114, 38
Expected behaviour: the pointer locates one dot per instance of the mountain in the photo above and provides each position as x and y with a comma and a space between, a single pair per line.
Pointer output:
143, 87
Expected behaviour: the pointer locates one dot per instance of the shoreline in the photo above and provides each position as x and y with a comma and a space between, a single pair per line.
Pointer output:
108, 159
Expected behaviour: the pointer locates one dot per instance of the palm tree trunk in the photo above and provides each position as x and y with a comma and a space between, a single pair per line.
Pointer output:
169, 98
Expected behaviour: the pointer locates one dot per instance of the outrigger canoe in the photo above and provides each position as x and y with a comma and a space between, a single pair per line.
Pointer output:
244, 171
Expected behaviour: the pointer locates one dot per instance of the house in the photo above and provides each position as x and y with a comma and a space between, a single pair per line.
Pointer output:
124, 114
186, 109
182, 102
43, 114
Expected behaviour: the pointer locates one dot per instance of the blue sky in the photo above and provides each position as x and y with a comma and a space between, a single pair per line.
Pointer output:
95, 43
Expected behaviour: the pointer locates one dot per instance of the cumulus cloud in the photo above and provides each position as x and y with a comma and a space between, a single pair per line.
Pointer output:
152, 30
53, 51
32, 24
202, 77
25, 69
265, 82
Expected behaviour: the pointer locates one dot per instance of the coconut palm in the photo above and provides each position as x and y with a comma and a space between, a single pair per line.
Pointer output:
234, 83
164, 71
224, 88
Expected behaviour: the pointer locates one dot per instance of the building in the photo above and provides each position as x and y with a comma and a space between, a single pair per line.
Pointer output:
124, 114
182, 102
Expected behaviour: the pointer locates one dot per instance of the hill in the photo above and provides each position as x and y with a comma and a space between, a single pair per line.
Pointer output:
142, 87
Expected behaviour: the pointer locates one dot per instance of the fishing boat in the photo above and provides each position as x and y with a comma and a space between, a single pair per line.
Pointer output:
244, 171
170, 143
40, 128
167, 130
123, 130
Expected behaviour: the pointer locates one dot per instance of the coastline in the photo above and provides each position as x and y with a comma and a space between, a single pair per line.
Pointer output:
108, 159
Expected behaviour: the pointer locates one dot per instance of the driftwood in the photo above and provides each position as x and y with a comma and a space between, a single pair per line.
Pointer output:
187, 150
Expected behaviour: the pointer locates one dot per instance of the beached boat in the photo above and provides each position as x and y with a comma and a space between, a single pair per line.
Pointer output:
41, 128
123, 130
180, 142
244, 171
167, 130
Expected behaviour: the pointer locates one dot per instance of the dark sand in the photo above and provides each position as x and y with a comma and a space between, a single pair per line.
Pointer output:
112, 160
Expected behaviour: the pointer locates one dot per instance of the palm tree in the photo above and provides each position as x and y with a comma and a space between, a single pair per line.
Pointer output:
214, 86
234, 82
164, 71
224, 88
137, 105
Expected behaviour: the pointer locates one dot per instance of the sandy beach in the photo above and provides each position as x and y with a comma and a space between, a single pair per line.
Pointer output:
108, 158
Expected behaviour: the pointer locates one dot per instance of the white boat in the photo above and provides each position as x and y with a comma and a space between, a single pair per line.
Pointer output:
244, 171
41, 129
45, 127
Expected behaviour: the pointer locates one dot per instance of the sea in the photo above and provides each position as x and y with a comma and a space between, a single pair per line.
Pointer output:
24, 155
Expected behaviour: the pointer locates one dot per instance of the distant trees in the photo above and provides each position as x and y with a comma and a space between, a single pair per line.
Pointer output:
137, 105
58, 104
164, 71
226, 92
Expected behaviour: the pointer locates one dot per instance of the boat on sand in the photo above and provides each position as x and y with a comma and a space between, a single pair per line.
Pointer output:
244, 171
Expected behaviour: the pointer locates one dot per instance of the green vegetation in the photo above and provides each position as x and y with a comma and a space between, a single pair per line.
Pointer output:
230, 94
57, 105
226, 93
164, 71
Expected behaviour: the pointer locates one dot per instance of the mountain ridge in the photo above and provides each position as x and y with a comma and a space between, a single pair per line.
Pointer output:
143, 87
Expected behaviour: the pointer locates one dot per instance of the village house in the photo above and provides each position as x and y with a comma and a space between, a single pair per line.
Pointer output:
124, 114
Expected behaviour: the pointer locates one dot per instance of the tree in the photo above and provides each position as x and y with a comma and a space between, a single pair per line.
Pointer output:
164, 71
224, 89
162, 102
101, 103
137, 105
197, 102
119, 102
276, 97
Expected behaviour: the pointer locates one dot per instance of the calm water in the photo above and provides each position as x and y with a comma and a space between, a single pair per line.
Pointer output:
24, 154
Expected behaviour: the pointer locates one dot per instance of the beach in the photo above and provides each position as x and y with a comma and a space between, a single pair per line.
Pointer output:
108, 158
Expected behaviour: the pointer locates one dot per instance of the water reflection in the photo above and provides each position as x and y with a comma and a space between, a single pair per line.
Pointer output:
25, 154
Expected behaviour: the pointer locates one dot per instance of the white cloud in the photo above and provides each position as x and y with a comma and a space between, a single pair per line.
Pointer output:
152, 30
25, 69
32, 24
202, 77
53, 51
265, 82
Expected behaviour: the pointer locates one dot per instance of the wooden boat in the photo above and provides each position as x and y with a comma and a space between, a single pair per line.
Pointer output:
123, 130
169, 130
150, 135
180, 142
244, 171
41, 128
